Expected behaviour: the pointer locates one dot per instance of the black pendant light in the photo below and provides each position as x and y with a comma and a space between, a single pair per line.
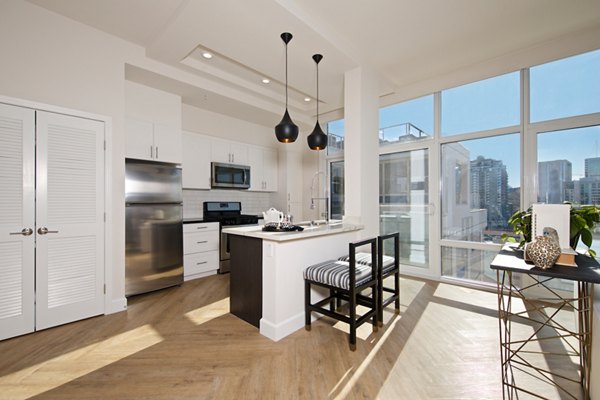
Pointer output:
317, 140
286, 131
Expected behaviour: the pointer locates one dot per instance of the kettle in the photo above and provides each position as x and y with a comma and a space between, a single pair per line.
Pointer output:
272, 215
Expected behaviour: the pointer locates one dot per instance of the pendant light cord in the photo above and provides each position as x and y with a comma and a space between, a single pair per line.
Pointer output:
286, 78
317, 92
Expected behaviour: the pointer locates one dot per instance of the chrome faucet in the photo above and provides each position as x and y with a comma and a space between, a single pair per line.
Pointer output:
312, 198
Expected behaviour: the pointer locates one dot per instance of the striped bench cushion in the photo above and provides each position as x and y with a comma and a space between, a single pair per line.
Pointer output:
365, 259
337, 273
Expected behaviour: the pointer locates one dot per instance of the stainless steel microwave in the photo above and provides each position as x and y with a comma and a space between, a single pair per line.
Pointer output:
230, 176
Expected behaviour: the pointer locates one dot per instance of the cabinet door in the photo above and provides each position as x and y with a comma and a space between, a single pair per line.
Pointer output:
255, 161
195, 165
139, 139
270, 170
167, 144
70, 205
220, 151
17, 205
239, 153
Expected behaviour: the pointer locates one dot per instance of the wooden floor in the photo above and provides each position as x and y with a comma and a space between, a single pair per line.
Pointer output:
182, 343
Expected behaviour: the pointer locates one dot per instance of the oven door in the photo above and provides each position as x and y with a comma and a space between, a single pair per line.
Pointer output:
224, 254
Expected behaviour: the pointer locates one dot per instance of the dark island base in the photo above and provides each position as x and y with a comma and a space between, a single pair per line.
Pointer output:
245, 299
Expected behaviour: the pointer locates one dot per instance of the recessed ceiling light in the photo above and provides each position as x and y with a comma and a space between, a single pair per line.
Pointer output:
307, 99
207, 55
265, 80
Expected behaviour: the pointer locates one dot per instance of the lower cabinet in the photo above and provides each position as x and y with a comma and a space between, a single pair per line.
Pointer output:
200, 249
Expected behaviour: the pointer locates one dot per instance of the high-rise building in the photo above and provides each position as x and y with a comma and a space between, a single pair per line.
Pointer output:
489, 190
554, 179
592, 167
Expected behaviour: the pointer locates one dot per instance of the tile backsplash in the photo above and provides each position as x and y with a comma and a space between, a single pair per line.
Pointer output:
252, 202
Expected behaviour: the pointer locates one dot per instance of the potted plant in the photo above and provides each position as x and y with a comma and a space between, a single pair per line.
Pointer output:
583, 220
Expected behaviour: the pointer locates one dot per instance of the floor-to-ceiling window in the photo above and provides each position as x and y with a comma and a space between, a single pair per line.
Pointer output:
405, 139
480, 172
565, 131
499, 145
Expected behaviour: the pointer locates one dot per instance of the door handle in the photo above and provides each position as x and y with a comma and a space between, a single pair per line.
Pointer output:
203, 241
44, 230
24, 232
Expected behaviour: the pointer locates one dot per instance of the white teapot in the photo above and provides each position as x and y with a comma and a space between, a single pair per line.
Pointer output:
272, 215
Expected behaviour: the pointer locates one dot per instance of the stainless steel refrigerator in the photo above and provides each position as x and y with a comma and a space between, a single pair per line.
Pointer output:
153, 226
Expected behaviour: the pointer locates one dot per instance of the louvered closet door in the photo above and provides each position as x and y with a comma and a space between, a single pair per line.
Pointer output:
70, 205
16, 214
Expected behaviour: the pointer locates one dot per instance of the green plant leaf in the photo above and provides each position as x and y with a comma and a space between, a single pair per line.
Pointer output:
586, 237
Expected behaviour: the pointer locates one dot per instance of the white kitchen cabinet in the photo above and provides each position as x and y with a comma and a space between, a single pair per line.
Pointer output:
270, 170
200, 249
195, 165
146, 140
51, 232
264, 169
229, 152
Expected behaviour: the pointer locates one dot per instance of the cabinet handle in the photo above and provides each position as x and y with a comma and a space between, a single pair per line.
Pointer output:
204, 241
203, 262
151, 153
24, 232
156, 151
201, 227
44, 230
232, 157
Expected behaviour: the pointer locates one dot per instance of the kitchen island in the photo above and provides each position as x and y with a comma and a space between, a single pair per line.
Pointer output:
267, 286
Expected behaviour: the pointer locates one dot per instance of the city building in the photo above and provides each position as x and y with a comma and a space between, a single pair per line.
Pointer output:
553, 179
489, 189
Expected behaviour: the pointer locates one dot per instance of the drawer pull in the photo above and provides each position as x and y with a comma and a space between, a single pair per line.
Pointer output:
203, 262
203, 241
201, 227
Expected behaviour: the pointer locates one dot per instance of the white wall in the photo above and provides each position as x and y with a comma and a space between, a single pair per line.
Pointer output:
50, 59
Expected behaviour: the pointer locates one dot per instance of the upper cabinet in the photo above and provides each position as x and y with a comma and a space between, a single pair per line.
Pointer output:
196, 161
152, 124
146, 140
229, 152
264, 169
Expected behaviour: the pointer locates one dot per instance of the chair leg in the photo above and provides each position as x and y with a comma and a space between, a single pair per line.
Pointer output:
353, 319
397, 291
307, 325
333, 300
380, 298
375, 306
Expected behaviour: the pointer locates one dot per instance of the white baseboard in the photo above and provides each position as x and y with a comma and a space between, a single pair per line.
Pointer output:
287, 327
116, 306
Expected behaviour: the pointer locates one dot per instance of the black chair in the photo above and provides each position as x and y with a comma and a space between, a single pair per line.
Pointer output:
345, 281
388, 266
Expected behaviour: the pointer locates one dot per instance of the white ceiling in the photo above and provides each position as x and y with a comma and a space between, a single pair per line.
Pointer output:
404, 41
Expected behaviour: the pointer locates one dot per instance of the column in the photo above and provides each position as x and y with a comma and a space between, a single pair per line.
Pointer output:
361, 149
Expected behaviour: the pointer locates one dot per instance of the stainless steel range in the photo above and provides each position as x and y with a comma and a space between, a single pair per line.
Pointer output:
227, 213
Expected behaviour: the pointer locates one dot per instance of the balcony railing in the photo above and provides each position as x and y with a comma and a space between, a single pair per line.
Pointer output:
405, 132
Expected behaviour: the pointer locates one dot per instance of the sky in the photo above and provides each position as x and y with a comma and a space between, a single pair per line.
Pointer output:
563, 88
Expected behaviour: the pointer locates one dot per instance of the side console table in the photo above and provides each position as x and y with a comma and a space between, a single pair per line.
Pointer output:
536, 305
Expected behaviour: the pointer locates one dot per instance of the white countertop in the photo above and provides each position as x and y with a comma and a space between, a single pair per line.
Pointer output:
307, 233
